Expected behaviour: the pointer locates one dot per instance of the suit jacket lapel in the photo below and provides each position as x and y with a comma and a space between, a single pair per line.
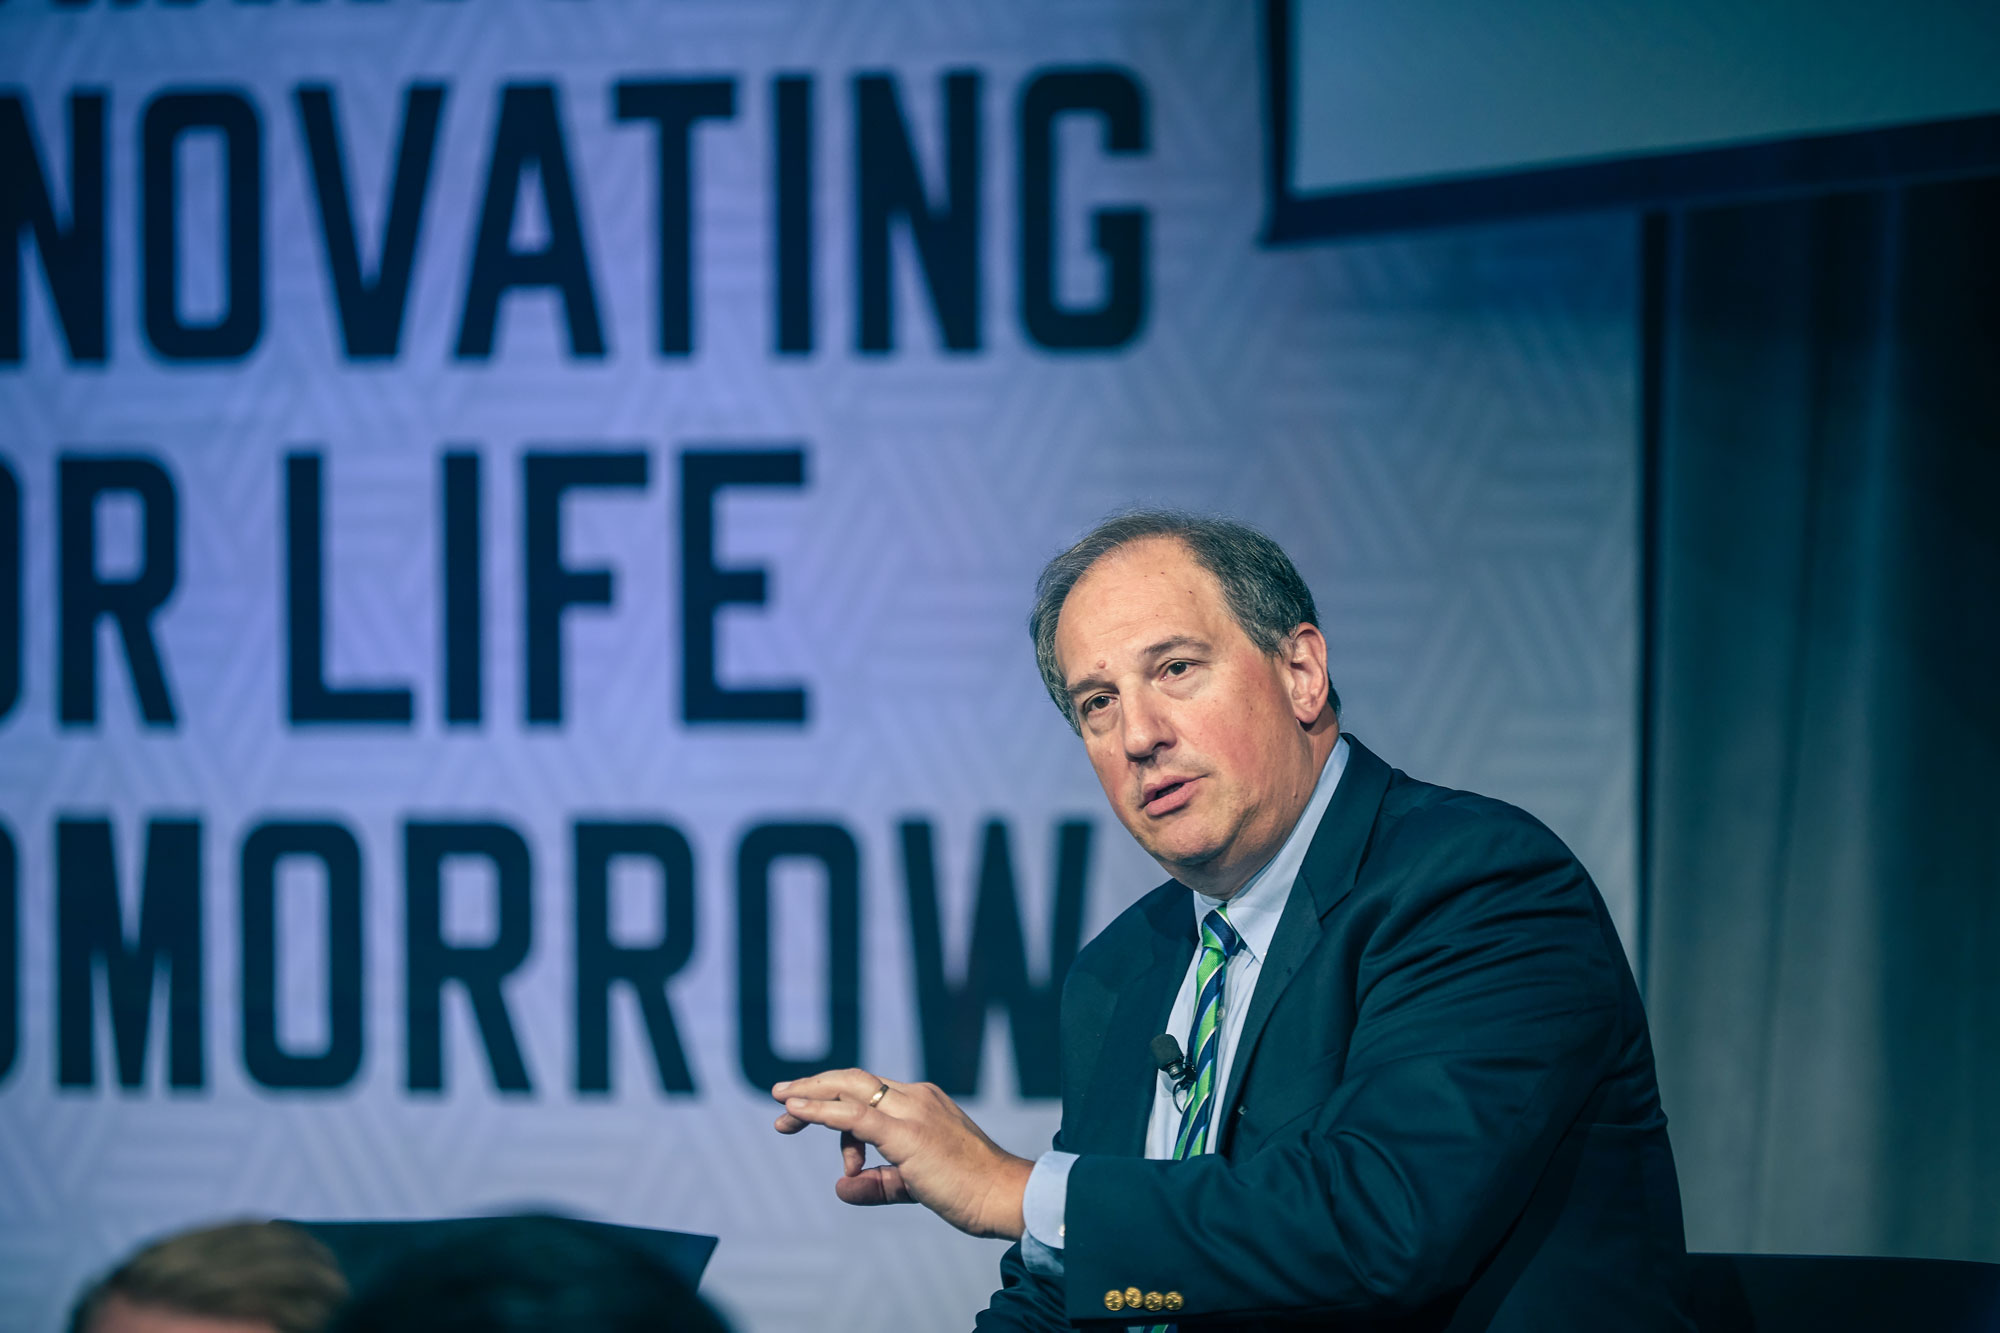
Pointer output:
1120, 1099
1325, 878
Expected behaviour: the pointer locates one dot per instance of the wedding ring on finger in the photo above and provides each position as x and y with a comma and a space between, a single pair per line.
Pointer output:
880, 1093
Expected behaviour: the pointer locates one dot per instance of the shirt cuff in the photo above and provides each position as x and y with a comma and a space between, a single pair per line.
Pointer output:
1042, 1207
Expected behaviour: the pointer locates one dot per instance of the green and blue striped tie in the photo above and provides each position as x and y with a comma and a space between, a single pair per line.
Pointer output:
1219, 943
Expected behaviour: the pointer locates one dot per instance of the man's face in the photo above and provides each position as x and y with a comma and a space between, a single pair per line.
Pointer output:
1196, 735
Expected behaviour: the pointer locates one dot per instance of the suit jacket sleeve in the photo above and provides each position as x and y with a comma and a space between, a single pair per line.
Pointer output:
1027, 1302
1486, 1003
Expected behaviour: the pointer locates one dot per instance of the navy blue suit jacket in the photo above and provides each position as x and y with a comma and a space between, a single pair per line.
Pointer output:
1442, 1112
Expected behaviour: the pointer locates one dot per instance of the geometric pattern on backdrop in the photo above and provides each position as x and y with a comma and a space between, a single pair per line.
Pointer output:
1439, 428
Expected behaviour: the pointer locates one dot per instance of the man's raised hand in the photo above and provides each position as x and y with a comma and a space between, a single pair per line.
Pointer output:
935, 1154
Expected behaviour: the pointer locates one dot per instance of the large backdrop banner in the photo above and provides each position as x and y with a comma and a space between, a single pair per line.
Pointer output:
517, 519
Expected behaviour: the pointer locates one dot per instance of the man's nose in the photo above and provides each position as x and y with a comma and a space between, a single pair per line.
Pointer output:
1147, 729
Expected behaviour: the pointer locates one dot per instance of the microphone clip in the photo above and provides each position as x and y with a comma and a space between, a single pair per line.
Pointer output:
1167, 1057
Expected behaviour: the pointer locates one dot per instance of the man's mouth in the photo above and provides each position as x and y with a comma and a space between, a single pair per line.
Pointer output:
1166, 797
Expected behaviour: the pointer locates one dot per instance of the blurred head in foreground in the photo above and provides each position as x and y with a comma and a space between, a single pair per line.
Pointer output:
529, 1275
241, 1277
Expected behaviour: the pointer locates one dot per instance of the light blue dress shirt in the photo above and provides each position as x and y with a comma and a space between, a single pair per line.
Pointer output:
1254, 911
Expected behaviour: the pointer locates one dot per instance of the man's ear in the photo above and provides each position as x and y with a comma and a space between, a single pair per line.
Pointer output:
1303, 657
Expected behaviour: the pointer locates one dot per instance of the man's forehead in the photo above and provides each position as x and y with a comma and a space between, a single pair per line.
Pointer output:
1152, 567
1134, 599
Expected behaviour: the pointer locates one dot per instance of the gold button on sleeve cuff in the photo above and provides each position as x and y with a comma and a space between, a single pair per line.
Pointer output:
1154, 1300
1172, 1300
1134, 1298
1114, 1300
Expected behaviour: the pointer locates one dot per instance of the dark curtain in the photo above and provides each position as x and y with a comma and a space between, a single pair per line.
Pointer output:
1824, 712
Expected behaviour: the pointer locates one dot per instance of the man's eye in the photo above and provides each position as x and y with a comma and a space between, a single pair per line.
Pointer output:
1178, 668
1091, 704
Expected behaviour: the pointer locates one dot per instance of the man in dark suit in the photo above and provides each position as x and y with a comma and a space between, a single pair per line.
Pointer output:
1418, 1091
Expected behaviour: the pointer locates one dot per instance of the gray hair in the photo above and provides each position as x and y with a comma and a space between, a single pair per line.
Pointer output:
1260, 584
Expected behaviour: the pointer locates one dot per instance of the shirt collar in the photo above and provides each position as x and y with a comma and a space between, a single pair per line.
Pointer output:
1255, 908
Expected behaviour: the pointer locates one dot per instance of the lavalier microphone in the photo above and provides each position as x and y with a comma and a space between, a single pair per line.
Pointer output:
1167, 1055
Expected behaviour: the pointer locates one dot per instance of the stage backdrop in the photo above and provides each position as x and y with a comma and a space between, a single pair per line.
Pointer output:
516, 521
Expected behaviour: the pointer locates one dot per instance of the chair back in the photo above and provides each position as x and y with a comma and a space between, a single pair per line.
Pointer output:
1822, 1293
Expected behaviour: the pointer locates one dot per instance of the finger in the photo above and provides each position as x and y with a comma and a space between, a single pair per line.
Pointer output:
823, 1083
876, 1185
858, 1119
788, 1123
853, 1154
850, 1085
